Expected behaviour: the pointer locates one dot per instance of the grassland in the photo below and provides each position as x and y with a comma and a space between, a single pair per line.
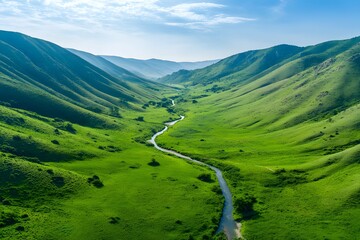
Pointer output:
287, 141
282, 123
46, 192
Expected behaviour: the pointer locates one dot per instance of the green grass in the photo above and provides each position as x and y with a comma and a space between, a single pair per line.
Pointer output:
48, 182
288, 146
286, 137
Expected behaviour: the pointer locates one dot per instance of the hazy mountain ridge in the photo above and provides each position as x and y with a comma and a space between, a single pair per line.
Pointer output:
155, 68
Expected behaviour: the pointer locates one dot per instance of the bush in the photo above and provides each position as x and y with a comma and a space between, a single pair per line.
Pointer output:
16, 138
56, 142
140, 119
95, 181
114, 220
69, 127
245, 207
7, 219
205, 177
154, 163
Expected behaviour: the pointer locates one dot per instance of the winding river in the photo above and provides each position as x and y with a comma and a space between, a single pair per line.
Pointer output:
227, 223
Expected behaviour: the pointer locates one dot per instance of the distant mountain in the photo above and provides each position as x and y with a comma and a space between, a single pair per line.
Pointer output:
118, 72
105, 65
155, 68
42, 77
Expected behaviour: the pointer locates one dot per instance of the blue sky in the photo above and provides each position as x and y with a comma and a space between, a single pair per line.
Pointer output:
188, 30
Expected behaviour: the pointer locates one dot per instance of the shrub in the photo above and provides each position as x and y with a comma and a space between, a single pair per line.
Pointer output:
56, 142
245, 207
7, 219
95, 181
16, 138
114, 220
140, 119
69, 127
20, 228
58, 181
205, 177
154, 163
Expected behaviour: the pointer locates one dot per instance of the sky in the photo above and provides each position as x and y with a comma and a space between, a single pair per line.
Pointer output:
187, 30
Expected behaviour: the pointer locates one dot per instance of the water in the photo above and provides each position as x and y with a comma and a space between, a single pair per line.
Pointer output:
227, 223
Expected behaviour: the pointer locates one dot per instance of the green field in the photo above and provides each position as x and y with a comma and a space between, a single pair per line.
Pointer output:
287, 142
281, 123
137, 200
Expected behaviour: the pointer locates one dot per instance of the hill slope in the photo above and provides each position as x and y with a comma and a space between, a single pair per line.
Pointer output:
250, 65
155, 68
62, 180
106, 66
42, 77
286, 135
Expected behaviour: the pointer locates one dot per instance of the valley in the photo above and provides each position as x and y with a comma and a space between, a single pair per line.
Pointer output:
280, 124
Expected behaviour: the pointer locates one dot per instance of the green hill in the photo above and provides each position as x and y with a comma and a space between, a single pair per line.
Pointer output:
73, 158
286, 134
42, 77
250, 65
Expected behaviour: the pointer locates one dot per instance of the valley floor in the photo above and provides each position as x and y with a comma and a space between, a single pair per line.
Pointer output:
286, 184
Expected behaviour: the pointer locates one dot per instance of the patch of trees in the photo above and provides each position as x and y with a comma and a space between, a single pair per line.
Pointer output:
110, 148
7, 219
215, 88
205, 177
245, 207
58, 181
284, 178
95, 181
140, 119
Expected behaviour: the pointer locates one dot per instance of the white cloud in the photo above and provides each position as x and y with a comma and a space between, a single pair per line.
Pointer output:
189, 11
204, 25
194, 15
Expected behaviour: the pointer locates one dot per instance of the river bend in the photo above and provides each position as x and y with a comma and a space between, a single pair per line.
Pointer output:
227, 222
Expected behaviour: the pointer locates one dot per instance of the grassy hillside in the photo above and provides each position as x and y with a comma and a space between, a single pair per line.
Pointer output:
74, 163
42, 77
287, 137
60, 180
248, 66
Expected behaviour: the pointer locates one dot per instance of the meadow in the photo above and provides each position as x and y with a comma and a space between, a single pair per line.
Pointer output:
299, 182
56, 197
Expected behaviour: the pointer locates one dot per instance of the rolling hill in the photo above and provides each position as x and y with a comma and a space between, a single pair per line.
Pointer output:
155, 68
283, 123
70, 164
250, 65
42, 77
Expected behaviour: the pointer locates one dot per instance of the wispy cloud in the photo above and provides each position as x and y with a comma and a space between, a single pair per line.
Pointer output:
279, 8
195, 15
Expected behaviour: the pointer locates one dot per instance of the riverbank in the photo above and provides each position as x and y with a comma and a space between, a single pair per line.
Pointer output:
227, 223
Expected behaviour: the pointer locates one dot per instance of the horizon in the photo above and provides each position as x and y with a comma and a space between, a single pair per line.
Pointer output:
181, 31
